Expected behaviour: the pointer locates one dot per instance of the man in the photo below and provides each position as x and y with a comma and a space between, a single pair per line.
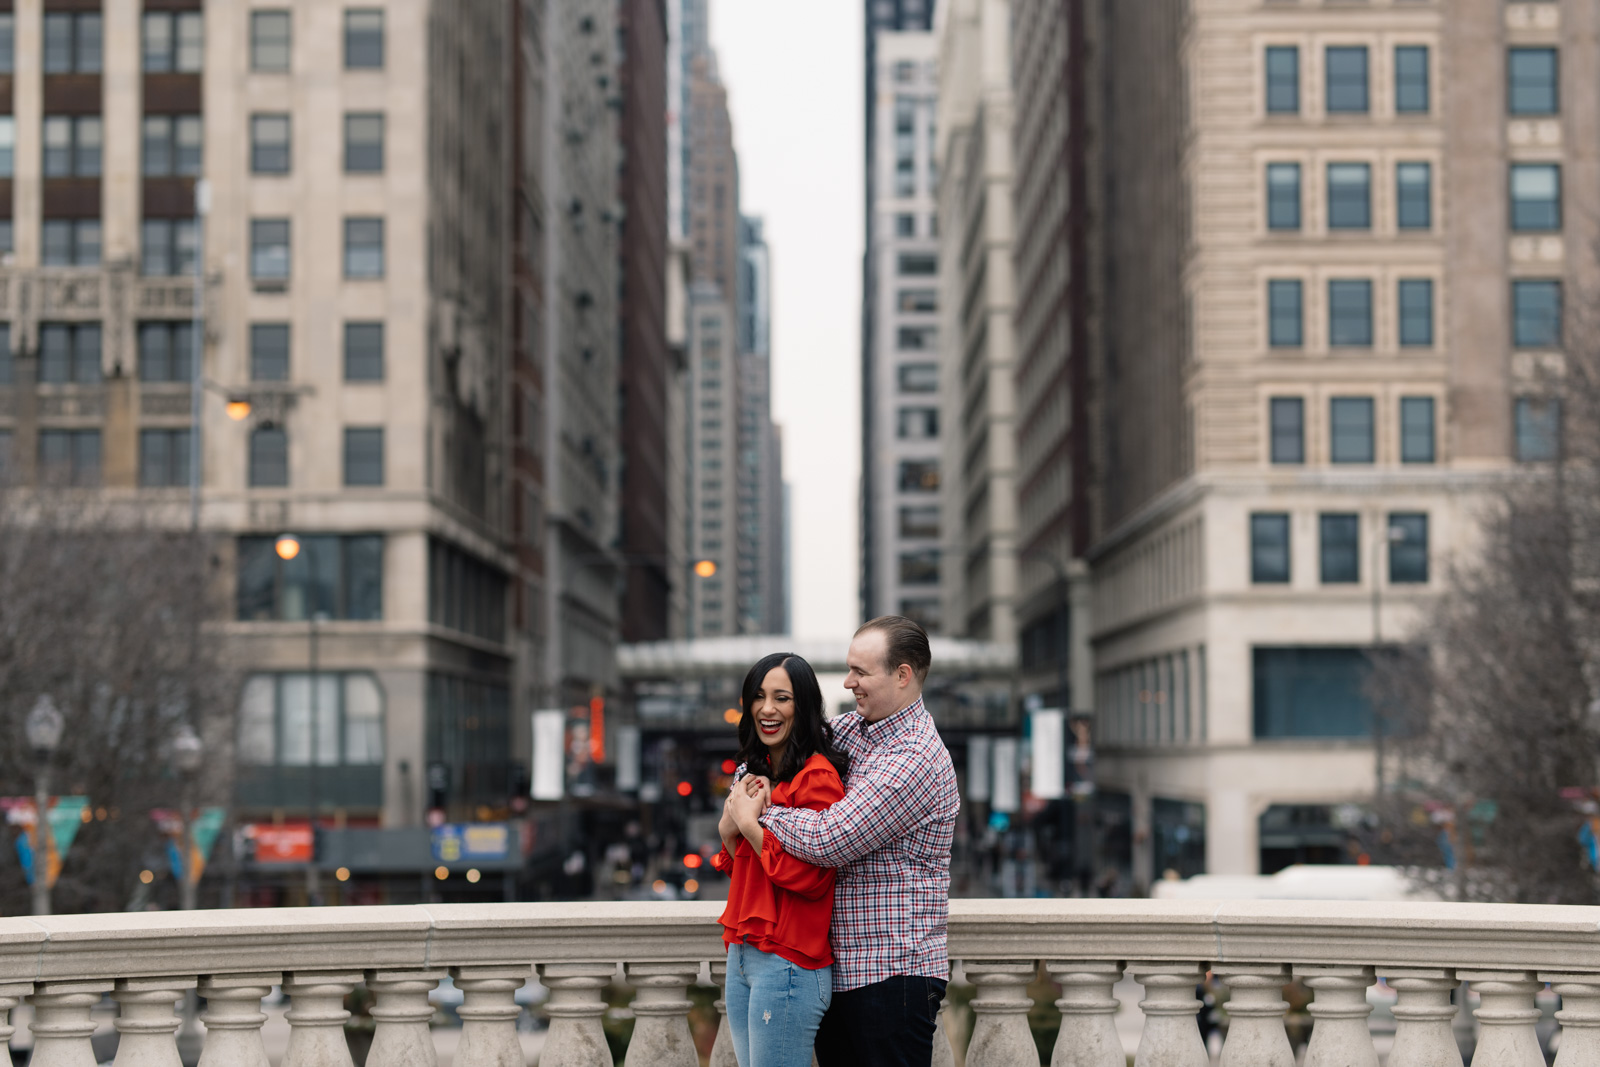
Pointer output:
890, 836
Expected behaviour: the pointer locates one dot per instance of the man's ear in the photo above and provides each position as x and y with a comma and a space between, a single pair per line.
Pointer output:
904, 674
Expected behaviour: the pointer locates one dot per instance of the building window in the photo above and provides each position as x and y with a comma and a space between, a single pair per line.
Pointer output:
1284, 313
919, 476
166, 352
465, 594
69, 353
8, 43
69, 458
1414, 196
918, 300
269, 249
172, 145
1283, 196
7, 362
269, 144
1283, 80
1533, 79
1538, 429
1408, 548
1347, 80
363, 351
1416, 313
363, 39
1535, 197
339, 577
920, 568
286, 727
1536, 313
166, 247
1341, 549
1411, 80
174, 42
6, 471
919, 377
925, 612
163, 458
1288, 417
363, 248
917, 338
1350, 313
6, 234
269, 351
1349, 196
1269, 549
905, 225
363, 455
72, 146
918, 424
269, 458
1350, 429
1312, 692
919, 522
913, 264
1416, 429
269, 41
363, 143
70, 243
72, 43
468, 733
8, 146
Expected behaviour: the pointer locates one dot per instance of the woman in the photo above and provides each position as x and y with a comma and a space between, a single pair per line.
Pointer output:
780, 968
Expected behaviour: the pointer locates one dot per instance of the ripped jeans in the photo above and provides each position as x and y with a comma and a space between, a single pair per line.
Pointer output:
774, 1007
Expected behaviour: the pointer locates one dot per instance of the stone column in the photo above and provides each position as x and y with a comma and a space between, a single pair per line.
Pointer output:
489, 1012
1256, 1037
147, 1021
1579, 1018
661, 1015
317, 1017
944, 1054
722, 1052
10, 996
575, 1038
233, 1019
402, 1011
1422, 1035
1088, 1036
1000, 1035
1171, 1035
61, 1025
1508, 1014
1339, 1009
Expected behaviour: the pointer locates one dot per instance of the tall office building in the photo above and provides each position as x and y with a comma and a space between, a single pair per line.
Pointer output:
760, 480
978, 291
1321, 297
883, 18
902, 550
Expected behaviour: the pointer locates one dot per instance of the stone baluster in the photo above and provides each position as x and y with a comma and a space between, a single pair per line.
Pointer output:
61, 1025
233, 1019
576, 1038
1256, 1037
402, 1012
489, 1013
1171, 1035
722, 1051
1088, 1036
147, 1020
10, 996
1579, 1018
661, 1015
1339, 1010
944, 1054
316, 1016
1507, 1014
1000, 1035
1422, 1033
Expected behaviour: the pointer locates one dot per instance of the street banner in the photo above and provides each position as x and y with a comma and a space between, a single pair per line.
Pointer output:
465, 842
1048, 777
549, 753
204, 825
979, 763
66, 814
627, 752
1005, 785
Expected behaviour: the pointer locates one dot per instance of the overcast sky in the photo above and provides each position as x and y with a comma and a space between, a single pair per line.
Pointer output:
793, 72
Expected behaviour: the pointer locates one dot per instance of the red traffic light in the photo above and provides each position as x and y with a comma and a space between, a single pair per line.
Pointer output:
728, 766
684, 789
692, 860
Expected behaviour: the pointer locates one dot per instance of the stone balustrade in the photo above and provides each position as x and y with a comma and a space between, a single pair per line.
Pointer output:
147, 962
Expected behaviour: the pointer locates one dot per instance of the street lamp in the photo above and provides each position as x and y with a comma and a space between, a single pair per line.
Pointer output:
43, 729
187, 752
289, 547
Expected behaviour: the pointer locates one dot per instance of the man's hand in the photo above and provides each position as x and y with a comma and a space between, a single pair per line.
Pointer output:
747, 804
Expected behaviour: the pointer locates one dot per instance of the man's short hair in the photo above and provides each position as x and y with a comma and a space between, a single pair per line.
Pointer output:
906, 641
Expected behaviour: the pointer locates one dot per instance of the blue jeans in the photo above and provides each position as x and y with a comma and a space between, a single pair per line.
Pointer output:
774, 1007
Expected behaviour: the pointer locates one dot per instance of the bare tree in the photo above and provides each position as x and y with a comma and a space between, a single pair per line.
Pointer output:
107, 610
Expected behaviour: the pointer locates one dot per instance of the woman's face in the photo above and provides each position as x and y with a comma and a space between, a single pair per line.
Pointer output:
773, 710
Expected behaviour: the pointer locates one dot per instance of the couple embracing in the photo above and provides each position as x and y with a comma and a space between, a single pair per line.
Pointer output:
837, 835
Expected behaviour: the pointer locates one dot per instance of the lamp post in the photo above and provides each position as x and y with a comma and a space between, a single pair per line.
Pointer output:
1392, 535
43, 729
289, 547
187, 752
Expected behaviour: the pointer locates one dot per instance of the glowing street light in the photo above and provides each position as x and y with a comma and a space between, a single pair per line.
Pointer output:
705, 568
287, 546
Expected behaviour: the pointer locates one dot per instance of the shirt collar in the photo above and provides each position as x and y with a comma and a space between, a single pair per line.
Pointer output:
894, 725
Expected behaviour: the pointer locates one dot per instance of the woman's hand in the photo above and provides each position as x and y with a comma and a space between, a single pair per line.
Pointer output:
727, 828
746, 805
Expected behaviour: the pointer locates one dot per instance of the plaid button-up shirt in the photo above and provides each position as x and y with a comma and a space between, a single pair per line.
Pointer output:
890, 838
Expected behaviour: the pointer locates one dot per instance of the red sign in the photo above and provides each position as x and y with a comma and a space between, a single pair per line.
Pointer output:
281, 844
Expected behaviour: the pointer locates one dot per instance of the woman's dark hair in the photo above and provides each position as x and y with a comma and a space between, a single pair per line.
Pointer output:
811, 733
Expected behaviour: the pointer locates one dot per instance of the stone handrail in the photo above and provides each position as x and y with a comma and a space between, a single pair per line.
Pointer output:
148, 961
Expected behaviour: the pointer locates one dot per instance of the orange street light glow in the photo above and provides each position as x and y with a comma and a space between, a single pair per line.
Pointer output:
343, 874
706, 568
691, 886
692, 860
731, 716
287, 546
441, 873
238, 410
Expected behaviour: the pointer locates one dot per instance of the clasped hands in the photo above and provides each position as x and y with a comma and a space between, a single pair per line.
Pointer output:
741, 812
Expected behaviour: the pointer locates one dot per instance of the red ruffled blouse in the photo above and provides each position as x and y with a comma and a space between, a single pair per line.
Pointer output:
778, 903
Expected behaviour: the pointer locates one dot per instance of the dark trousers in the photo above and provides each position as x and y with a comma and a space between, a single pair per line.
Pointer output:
885, 1024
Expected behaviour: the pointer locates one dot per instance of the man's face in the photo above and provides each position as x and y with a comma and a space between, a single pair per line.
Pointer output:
876, 688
